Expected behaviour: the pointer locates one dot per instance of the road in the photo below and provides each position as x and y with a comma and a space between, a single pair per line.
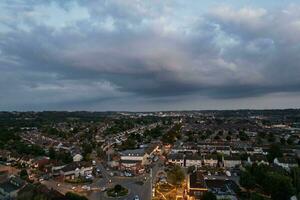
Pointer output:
143, 191
138, 185
61, 187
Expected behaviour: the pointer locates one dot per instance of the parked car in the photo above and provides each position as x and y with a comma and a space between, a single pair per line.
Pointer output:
127, 174
85, 187
103, 189
228, 173
89, 177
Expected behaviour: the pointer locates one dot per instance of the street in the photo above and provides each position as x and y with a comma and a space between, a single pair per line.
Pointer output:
136, 185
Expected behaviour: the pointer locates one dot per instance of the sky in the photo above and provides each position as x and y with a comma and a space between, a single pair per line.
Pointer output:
149, 55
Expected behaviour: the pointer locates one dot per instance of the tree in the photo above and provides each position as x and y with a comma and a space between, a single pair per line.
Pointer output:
130, 143
282, 141
191, 169
247, 180
217, 137
274, 152
209, 196
52, 153
279, 186
176, 175
73, 196
244, 156
228, 137
65, 157
256, 196
23, 174
259, 172
290, 141
271, 137
243, 136
100, 152
295, 174
118, 188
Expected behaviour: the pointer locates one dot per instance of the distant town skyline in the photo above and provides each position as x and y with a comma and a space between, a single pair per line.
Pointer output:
122, 55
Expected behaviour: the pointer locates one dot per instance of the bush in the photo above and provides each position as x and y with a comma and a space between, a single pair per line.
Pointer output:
209, 196
73, 196
117, 191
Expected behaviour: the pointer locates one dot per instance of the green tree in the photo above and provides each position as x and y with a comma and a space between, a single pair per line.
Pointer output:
247, 180
256, 196
23, 174
271, 137
73, 196
243, 136
209, 196
290, 141
118, 188
191, 169
100, 152
279, 186
295, 174
259, 172
228, 137
52, 153
282, 141
274, 152
176, 175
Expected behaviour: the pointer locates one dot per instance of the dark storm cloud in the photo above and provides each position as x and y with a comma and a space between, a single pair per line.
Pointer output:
112, 51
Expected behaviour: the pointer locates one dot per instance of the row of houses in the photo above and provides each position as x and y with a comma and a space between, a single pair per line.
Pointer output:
10, 187
208, 148
226, 161
73, 170
188, 160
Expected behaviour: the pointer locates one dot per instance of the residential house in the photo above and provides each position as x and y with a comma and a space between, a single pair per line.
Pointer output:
225, 150
136, 155
210, 160
193, 160
153, 149
196, 185
133, 160
231, 161
77, 158
258, 159
10, 188
221, 188
74, 170
286, 162
40, 162
176, 158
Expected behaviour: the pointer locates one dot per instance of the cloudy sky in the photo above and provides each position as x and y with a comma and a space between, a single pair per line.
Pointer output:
149, 54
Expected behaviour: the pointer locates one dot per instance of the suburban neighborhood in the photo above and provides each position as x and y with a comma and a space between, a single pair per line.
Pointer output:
156, 155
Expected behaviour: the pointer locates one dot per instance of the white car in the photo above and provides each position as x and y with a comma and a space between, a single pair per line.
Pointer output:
89, 176
85, 187
136, 197
228, 173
